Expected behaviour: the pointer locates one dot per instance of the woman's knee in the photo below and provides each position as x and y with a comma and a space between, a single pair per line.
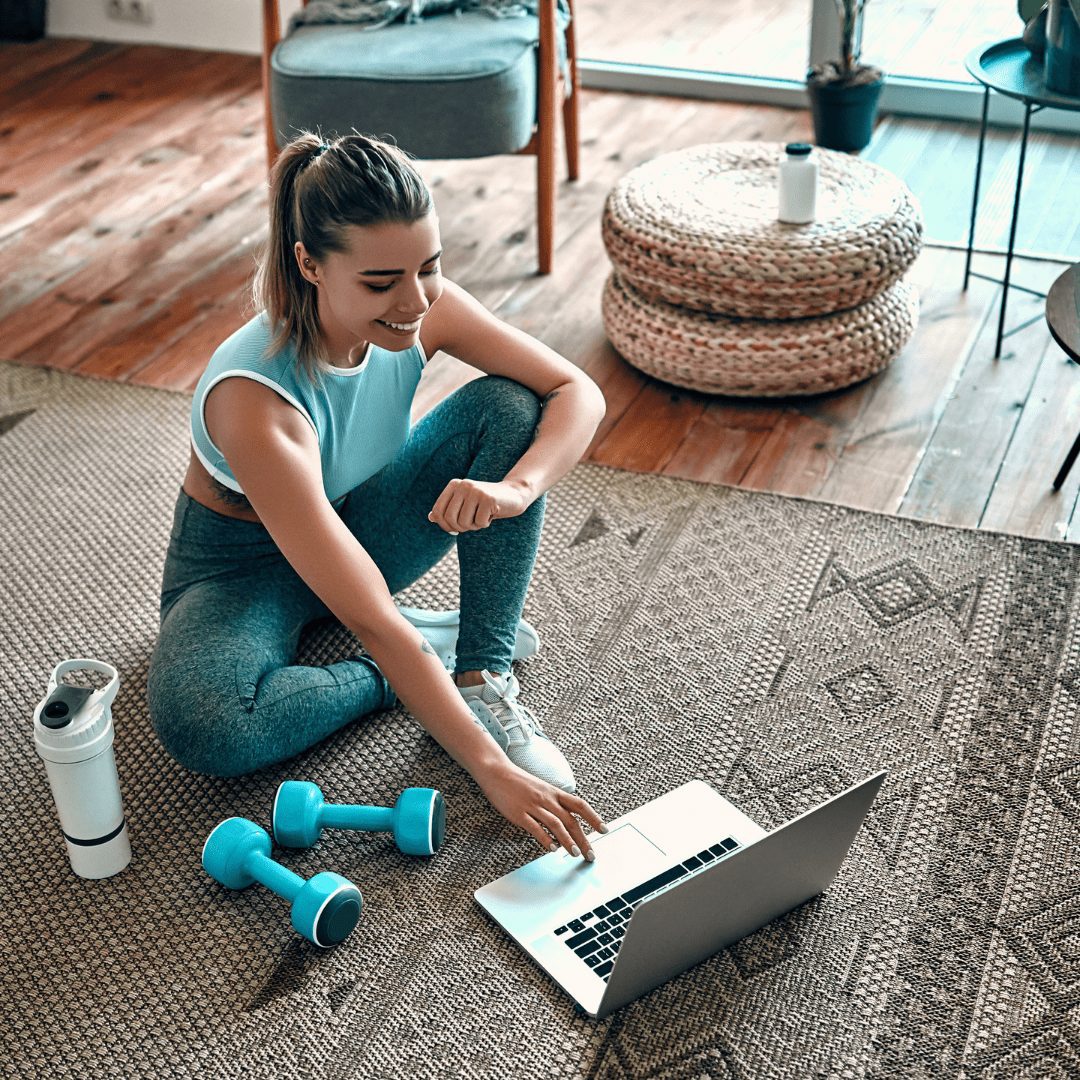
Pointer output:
200, 729
506, 401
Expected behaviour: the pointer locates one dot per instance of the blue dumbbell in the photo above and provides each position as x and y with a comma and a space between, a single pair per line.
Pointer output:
417, 819
325, 908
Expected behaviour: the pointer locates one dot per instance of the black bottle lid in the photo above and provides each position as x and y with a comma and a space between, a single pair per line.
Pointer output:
798, 149
62, 705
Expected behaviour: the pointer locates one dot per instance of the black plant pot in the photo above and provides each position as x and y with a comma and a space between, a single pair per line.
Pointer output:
844, 115
1062, 57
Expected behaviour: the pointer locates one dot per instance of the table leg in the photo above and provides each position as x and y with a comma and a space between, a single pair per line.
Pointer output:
1012, 228
978, 177
1067, 464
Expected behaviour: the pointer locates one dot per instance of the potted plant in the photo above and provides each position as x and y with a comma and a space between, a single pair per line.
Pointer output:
844, 93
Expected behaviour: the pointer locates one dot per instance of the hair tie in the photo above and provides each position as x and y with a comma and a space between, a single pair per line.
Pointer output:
319, 151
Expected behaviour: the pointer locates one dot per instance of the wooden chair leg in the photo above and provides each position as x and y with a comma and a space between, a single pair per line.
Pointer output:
570, 133
545, 137
271, 147
545, 197
271, 36
570, 104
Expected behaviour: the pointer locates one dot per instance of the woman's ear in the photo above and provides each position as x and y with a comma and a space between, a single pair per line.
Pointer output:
305, 262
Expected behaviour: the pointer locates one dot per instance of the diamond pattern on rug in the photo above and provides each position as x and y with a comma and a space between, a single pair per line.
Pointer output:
775, 944
898, 592
861, 689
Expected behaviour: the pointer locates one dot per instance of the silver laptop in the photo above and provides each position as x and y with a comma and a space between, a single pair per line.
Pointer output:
674, 881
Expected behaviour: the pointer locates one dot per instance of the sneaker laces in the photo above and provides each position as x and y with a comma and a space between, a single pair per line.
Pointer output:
508, 711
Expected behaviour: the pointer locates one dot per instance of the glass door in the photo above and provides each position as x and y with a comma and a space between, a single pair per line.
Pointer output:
759, 50
928, 39
767, 39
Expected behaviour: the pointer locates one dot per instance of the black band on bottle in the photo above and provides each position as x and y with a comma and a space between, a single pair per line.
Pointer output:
101, 839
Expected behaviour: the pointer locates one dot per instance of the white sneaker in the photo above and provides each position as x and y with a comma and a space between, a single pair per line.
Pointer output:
440, 628
497, 710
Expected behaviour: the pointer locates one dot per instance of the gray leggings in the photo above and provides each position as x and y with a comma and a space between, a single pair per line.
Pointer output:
225, 694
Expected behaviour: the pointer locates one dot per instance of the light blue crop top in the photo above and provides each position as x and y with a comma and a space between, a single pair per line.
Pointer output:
360, 415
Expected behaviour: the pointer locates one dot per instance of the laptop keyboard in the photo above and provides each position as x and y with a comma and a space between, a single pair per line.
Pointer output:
597, 935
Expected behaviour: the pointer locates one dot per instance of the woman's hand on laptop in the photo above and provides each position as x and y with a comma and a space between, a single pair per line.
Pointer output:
540, 808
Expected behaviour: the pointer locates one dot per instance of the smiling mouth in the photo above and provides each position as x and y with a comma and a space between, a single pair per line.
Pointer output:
401, 327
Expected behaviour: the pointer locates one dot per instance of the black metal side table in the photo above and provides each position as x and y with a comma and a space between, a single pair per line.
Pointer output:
1063, 318
1009, 68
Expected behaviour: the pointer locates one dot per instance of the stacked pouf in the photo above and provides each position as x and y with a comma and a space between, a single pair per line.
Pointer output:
710, 291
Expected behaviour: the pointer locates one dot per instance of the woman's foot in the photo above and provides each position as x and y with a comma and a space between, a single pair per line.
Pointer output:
497, 710
440, 629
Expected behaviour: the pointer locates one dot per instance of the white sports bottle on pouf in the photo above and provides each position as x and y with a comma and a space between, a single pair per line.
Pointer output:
73, 733
798, 184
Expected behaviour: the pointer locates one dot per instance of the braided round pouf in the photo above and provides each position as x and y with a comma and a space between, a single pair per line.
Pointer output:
758, 357
698, 228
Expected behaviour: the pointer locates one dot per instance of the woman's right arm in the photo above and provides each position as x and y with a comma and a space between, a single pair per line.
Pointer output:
274, 455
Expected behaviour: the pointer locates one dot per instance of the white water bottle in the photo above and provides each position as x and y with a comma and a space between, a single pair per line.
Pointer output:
798, 184
73, 734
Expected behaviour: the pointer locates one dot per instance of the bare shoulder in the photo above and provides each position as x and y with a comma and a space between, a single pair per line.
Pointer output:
271, 446
451, 318
242, 410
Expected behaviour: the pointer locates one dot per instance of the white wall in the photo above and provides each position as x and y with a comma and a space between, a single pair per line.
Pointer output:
225, 25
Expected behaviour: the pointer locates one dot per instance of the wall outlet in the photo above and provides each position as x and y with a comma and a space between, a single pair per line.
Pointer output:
139, 11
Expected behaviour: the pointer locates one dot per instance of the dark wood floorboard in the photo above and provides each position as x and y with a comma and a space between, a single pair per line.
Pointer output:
132, 208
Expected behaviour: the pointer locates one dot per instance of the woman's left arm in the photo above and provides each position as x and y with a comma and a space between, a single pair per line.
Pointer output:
572, 408
569, 416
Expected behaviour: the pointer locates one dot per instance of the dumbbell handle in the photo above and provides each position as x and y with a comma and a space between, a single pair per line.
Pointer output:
277, 878
371, 818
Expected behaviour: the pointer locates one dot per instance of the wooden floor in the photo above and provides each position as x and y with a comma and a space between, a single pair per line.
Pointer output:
924, 151
132, 204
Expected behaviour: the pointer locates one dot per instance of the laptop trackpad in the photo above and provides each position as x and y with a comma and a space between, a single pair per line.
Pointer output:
624, 857
625, 844
532, 896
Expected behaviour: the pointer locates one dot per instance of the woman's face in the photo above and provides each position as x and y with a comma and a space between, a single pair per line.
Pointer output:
379, 288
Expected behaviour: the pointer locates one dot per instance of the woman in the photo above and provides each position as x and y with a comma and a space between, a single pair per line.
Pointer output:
307, 494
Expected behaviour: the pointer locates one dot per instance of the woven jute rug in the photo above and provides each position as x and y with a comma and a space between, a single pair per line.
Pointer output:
778, 649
